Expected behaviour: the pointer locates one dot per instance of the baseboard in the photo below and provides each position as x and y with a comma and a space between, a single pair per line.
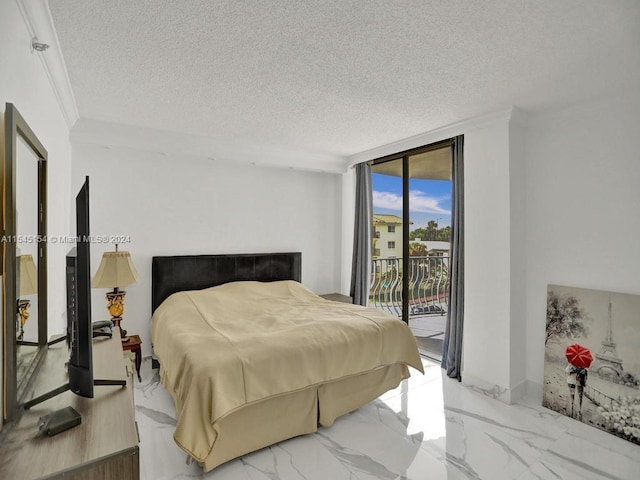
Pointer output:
518, 392
504, 394
533, 391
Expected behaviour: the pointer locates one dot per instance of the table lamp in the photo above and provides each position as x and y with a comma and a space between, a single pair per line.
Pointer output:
28, 286
116, 270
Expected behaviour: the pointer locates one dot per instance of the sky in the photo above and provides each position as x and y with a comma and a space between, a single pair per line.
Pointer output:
428, 199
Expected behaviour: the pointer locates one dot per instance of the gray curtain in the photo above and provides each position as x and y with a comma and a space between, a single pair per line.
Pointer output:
360, 267
452, 347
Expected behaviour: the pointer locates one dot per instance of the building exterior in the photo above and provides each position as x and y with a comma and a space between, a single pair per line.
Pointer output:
387, 236
387, 239
435, 248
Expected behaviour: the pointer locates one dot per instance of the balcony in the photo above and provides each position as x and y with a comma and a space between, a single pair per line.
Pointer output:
428, 296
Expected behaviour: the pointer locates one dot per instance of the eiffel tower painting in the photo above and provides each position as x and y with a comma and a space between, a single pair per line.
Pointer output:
606, 324
608, 364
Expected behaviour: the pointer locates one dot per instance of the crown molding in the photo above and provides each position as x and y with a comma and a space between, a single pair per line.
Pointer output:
438, 134
39, 23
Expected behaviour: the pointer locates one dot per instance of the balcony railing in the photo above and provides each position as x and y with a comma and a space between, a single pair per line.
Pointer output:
428, 285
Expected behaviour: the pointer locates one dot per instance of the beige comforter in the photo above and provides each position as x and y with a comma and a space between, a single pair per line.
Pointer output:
225, 347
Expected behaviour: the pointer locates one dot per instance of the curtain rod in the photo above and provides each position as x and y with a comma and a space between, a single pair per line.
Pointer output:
368, 162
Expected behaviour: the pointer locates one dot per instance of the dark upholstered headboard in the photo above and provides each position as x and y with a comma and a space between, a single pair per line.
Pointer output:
195, 272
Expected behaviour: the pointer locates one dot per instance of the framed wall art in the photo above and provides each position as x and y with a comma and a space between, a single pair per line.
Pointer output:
592, 358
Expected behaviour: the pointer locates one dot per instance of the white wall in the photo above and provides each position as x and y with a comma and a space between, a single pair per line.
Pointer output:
348, 209
174, 206
550, 197
487, 319
24, 83
517, 260
583, 196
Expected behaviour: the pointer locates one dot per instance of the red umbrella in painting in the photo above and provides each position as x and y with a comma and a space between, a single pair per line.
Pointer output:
578, 356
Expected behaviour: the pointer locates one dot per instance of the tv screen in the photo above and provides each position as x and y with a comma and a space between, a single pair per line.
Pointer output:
79, 301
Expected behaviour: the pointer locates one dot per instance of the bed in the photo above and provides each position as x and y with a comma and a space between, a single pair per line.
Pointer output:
251, 357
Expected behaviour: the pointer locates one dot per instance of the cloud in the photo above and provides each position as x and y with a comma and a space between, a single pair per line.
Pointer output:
418, 202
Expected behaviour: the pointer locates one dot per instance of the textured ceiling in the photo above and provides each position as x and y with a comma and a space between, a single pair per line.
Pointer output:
338, 77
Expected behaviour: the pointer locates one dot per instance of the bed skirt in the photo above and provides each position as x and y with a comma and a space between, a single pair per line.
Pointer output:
285, 416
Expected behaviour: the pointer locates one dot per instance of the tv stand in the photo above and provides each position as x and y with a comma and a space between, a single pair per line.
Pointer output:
36, 344
97, 332
57, 391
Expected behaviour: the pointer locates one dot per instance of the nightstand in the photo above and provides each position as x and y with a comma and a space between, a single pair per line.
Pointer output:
133, 344
337, 297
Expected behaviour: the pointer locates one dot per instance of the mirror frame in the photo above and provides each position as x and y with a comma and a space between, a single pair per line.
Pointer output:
14, 126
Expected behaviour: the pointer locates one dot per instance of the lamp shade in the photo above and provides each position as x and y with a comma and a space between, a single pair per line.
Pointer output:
28, 276
116, 270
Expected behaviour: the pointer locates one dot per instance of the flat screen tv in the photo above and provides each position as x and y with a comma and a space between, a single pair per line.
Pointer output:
79, 300
79, 327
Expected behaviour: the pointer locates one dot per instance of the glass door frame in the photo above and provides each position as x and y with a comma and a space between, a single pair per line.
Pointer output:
405, 156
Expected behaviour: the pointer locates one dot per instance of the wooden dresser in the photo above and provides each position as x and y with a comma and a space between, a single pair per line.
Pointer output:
103, 446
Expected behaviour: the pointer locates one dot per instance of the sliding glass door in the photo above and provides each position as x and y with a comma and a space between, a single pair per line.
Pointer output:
388, 238
411, 240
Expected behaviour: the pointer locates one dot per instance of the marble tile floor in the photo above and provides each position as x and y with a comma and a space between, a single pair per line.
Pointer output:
430, 427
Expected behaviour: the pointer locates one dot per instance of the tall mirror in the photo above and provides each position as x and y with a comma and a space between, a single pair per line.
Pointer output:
24, 258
